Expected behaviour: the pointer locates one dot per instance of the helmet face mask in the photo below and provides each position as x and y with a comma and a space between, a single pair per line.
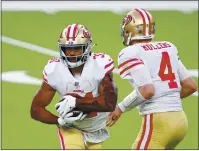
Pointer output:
77, 60
79, 39
138, 24
122, 33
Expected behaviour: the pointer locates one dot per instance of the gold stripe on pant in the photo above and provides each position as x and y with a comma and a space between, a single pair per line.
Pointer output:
163, 130
73, 139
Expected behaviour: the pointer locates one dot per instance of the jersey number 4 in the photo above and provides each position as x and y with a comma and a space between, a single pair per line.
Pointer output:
165, 62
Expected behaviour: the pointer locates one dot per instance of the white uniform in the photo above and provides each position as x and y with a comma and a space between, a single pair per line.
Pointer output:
162, 62
57, 75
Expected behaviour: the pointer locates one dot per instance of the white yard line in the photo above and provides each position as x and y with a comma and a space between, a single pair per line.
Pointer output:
46, 51
20, 77
30, 46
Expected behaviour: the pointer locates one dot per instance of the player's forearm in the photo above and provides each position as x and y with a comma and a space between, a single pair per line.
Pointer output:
41, 114
98, 104
131, 101
188, 87
104, 103
186, 91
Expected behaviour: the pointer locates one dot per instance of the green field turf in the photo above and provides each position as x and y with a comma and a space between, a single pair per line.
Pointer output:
19, 131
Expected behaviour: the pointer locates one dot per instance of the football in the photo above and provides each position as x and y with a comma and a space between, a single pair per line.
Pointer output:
75, 113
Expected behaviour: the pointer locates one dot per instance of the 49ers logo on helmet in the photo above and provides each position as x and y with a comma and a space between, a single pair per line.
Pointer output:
86, 33
127, 19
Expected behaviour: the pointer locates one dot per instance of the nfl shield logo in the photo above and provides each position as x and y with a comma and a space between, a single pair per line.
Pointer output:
70, 42
76, 85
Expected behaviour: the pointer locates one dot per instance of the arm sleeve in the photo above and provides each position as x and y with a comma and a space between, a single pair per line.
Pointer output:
182, 71
105, 64
132, 67
140, 75
49, 72
108, 64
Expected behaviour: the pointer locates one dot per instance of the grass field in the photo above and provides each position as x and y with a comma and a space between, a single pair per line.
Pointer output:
19, 131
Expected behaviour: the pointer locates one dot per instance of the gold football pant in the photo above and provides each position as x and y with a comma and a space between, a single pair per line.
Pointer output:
73, 139
161, 130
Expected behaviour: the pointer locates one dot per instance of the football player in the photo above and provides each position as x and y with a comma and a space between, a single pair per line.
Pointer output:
85, 83
160, 81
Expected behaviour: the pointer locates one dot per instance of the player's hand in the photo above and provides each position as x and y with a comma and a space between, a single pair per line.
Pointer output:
113, 117
70, 119
65, 105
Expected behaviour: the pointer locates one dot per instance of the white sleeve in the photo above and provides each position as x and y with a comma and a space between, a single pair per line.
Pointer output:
49, 72
140, 75
182, 71
105, 63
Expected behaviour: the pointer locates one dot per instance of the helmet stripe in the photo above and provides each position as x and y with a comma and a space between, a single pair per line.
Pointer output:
147, 14
74, 31
145, 20
68, 32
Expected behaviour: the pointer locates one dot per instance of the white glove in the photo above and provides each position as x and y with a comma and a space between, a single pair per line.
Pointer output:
68, 119
65, 105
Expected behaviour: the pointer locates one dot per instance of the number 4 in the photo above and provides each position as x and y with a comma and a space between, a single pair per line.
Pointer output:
165, 62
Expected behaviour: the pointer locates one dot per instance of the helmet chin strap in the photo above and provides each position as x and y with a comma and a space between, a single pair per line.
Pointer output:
75, 64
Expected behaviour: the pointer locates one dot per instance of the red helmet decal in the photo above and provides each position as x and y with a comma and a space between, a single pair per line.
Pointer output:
127, 19
86, 33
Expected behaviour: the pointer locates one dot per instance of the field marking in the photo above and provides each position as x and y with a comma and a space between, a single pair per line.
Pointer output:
30, 46
22, 76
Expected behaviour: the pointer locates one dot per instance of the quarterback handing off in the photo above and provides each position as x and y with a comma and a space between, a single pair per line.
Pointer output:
160, 81
85, 83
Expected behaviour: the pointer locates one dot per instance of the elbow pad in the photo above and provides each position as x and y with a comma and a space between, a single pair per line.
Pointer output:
134, 99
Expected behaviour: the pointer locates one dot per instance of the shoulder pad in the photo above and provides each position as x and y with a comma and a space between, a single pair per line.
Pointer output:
127, 52
127, 59
174, 48
50, 68
104, 61
172, 45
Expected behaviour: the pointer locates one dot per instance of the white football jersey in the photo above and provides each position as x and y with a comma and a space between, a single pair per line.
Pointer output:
57, 75
161, 60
